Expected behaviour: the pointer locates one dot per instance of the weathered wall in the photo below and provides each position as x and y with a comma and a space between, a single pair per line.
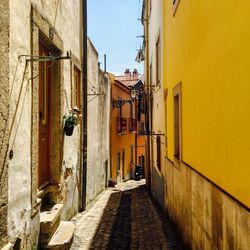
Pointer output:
23, 217
4, 114
105, 114
206, 217
98, 126
158, 107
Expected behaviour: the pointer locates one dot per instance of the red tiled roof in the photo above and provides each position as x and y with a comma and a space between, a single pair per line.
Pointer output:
129, 81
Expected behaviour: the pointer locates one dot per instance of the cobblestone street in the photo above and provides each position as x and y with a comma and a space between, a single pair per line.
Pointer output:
124, 217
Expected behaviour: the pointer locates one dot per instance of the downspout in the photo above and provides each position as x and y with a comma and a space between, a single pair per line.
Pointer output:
148, 94
85, 102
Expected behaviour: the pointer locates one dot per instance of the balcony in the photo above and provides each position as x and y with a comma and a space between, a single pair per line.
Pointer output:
121, 125
132, 125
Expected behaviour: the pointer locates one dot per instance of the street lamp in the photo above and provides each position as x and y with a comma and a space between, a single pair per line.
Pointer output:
119, 103
133, 94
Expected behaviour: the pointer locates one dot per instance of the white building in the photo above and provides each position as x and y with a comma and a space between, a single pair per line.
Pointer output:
99, 100
154, 40
40, 80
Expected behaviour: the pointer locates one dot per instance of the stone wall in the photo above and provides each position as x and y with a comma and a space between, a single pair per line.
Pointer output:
4, 115
206, 217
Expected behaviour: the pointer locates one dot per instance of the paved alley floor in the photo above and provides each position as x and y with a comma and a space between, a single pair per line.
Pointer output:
124, 217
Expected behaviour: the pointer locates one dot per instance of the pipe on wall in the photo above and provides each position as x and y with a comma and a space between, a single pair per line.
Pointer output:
84, 106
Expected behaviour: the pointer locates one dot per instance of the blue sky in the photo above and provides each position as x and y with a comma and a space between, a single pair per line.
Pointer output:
113, 27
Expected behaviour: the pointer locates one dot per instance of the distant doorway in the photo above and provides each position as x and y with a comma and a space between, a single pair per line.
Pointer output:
106, 173
123, 164
118, 167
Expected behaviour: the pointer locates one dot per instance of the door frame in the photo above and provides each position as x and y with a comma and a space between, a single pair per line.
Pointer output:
43, 48
41, 30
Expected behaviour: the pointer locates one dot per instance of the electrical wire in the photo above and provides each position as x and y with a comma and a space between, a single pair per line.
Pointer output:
12, 123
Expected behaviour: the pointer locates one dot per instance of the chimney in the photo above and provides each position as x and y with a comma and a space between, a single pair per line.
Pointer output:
135, 74
127, 73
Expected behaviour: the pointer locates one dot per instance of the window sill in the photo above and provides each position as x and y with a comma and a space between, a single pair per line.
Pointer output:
124, 133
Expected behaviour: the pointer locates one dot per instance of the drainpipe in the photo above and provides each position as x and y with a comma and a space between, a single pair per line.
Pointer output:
148, 94
84, 106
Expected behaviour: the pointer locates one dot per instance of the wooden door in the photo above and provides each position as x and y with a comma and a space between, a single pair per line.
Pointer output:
44, 118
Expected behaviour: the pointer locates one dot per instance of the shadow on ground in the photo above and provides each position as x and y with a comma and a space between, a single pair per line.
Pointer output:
132, 220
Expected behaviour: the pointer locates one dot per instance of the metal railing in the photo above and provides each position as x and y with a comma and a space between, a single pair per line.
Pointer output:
132, 125
121, 125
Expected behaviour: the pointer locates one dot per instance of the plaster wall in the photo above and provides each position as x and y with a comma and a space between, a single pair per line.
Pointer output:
207, 195
98, 126
65, 17
121, 142
105, 114
205, 216
207, 49
157, 101
4, 115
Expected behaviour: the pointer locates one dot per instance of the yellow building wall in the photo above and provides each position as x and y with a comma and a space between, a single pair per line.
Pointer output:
206, 46
121, 142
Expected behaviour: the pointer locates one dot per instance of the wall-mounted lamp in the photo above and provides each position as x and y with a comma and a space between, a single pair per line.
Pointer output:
119, 103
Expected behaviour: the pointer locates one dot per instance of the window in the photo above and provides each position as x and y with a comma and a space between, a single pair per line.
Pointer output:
158, 150
121, 125
123, 164
177, 121
175, 4
141, 128
131, 153
141, 160
158, 60
120, 108
76, 98
131, 110
166, 118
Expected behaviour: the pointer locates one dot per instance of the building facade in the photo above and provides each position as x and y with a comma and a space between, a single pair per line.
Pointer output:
41, 44
155, 91
99, 116
204, 53
4, 117
127, 147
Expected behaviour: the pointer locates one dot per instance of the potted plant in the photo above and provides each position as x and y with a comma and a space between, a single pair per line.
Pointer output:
72, 119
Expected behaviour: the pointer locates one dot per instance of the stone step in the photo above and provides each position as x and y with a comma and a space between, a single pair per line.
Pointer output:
63, 237
49, 222
8, 246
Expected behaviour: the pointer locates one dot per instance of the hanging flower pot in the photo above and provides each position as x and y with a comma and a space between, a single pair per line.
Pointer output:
68, 130
71, 120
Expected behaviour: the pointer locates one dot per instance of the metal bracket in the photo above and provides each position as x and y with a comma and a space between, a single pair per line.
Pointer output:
119, 103
33, 58
95, 94
151, 133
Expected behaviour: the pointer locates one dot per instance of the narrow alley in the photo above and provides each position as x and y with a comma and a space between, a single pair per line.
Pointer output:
124, 125
124, 217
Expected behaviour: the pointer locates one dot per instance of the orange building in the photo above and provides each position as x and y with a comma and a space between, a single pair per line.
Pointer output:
127, 147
